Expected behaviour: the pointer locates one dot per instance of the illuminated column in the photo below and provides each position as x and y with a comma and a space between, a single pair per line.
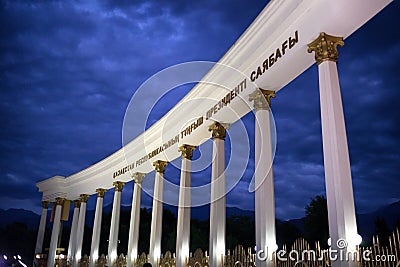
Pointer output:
114, 228
264, 178
218, 192
80, 229
74, 226
55, 232
135, 219
339, 189
157, 211
183, 225
42, 228
94, 248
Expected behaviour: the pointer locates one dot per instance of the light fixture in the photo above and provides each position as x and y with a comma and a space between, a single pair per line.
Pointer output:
356, 240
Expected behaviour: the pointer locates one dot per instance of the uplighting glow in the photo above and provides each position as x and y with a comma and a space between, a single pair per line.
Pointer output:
95, 255
355, 240
23, 264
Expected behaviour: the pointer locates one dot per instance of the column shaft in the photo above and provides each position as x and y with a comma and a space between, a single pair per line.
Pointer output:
135, 220
218, 204
114, 228
72, 237
80, 231
264, 188
339, 189
156, 219
94, 248
55, 232
183, 224
41, 230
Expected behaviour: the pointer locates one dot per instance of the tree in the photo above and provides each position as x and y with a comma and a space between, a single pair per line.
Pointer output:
240, 230
382, 231
18, 239
286, 233
316, 225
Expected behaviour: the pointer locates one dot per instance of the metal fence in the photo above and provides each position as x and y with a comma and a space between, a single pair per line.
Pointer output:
305, 255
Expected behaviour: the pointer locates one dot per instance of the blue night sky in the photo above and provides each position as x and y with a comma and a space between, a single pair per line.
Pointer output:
68, 70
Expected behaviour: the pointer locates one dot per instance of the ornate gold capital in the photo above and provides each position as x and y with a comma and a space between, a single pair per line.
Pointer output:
84, 197
217, 130
77, 203
45, 204
59, 201
160, 165
100, 192
118, 186
138, 177
325, 47
187, 151
262, 99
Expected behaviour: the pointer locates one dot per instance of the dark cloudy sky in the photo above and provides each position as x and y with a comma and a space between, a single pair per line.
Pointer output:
68, 70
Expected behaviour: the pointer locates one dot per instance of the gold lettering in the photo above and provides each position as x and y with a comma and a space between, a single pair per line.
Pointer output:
292, 42
252, 78
259, 73
284, 47
277, 54
271, 60
265, 65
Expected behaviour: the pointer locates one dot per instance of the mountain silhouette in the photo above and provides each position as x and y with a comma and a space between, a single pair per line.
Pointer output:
365, 221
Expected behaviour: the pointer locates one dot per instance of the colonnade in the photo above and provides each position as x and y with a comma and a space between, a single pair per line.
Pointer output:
342, 223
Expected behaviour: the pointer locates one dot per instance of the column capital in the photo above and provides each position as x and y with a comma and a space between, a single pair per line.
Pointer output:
187, 151
45, 204
218, 130
160, 165
77, 203
138, 177
262, 99
84, 197
325, 47
118, 186
100, 192
59, 201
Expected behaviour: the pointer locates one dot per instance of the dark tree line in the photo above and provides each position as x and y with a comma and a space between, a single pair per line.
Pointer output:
16, 238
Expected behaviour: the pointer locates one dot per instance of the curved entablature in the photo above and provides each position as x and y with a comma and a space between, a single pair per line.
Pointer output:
269, 54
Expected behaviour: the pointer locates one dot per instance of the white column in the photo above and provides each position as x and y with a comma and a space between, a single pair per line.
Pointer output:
264, 179
183, 224
157, 211
114, 228
41, 230
55, 232
80, 230
74, 227
339, 189
218, 199
94, 248
135, 220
